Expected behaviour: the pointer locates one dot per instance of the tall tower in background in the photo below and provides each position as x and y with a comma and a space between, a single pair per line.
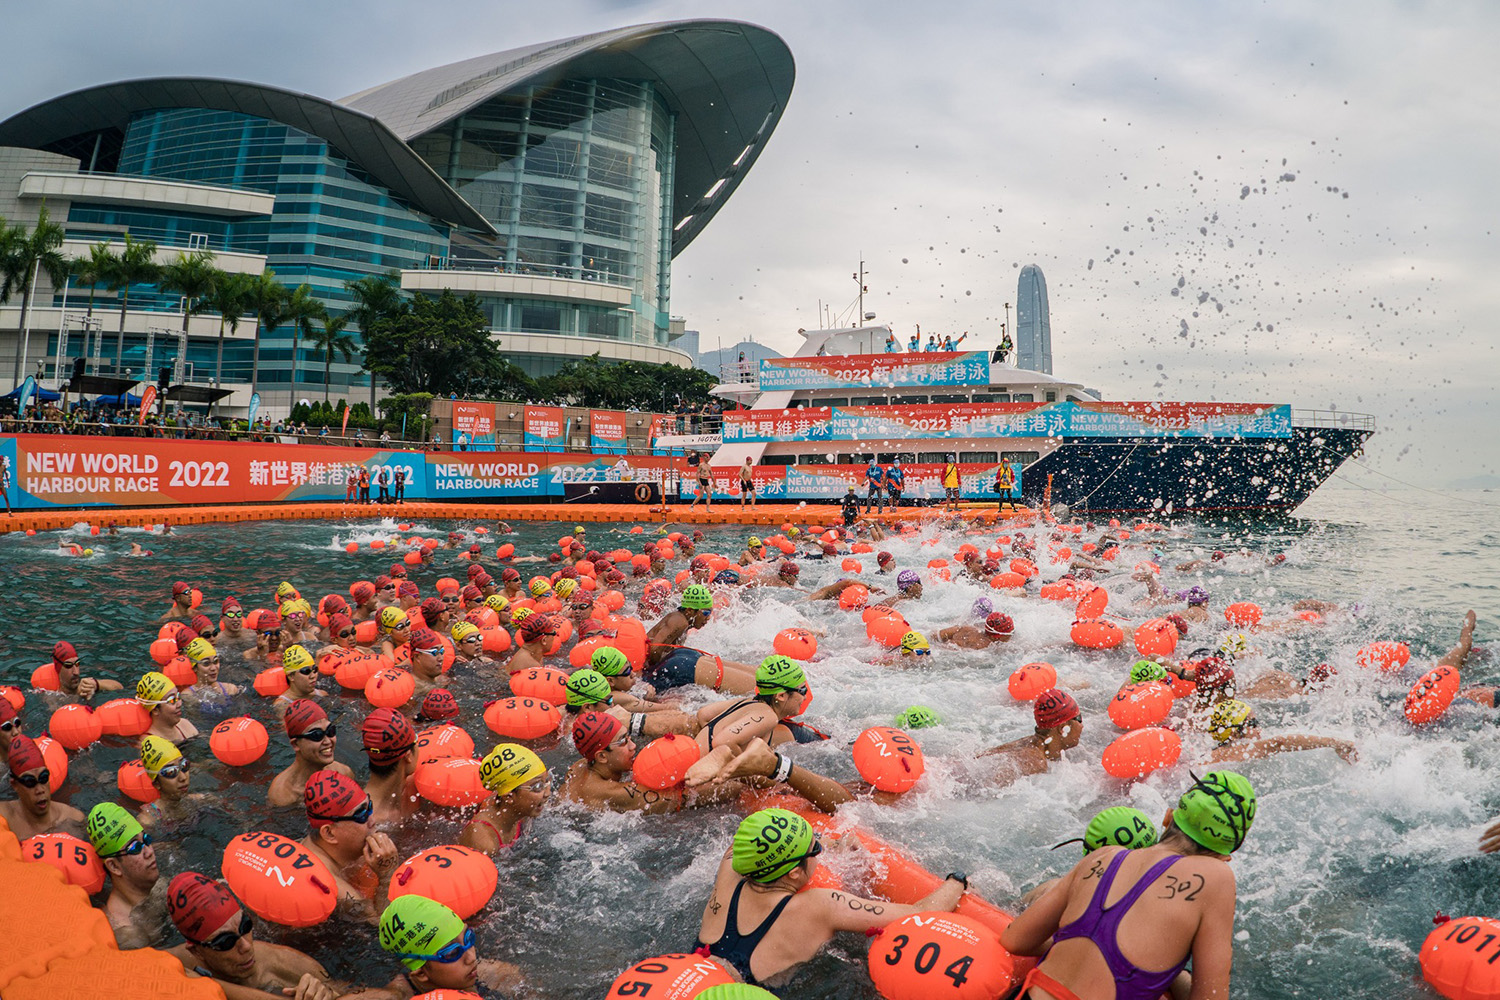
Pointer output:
1033, 329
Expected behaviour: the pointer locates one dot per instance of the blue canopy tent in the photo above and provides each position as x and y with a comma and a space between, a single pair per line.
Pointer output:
43, 395
124, 399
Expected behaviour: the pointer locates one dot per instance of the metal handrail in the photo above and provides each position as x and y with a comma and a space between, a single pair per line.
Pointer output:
1333, 418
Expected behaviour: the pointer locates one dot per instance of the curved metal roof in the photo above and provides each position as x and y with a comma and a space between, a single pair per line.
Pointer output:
354, 134
727, 81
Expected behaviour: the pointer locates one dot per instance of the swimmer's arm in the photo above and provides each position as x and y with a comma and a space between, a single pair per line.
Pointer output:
856, 913
1213, 945
947, 634
630, 797
108, 685
1031, 932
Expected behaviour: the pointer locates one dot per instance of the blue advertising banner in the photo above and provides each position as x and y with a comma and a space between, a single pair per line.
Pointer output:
855, 371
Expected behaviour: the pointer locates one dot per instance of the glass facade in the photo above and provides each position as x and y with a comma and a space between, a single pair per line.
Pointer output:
577, 178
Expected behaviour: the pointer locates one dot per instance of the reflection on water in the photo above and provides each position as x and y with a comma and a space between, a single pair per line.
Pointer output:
1338, 882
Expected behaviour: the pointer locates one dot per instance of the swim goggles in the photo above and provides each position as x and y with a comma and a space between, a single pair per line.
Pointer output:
448, 953
72, 664
766, 869
228, 939
347, 633
7, 726
1232, 805
131, 849
173, 770
438, 650
42, 777
307, 670
328, 732
360, 815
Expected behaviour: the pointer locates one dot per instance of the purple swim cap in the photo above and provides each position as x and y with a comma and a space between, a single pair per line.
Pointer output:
982, 608
906, 578
1193, 595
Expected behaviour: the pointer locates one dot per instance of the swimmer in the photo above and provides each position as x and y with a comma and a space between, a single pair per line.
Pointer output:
426, 664
10, 728
407, 595
786, 576
385, 592
763, 767
159, 697
832, 591
589, 690
232, 624
1197, 564
71, 682
780, 688
1059, 726
220, 945
521, 787
313, 737
395, 630
436, 614
1180, 906
533, 636
268, 639
669, 664
1234, 728
439, 952
754, 551
137, 552
468, 644
510, 584
297, 624
884, 562
341, 636
182, 603
1195, 596
1117, 826
390, 743
209, 695
908, 587
363, 596
34, 810
598, 781
169, 772
774, 854
341, 835
133, 910
301, 680
998, 628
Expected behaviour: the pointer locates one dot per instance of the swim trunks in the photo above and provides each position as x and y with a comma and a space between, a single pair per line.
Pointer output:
678, 669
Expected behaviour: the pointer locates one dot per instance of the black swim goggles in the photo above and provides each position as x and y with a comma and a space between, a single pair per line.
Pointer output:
361, 815
42, 777
785, 864
228, 939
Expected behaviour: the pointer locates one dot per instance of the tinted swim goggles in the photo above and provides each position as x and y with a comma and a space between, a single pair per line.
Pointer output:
306, 670
360, 815
328, 732
131, 849
174, 769
228, 939
42, 777
347, 633
786, 864
448, 953
8, 725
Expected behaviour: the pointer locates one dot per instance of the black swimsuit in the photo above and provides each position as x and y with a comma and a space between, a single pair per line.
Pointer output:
736, 948
709, 728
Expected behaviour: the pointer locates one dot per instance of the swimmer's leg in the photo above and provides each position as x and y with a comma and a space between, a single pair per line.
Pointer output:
725, 675
1455, 657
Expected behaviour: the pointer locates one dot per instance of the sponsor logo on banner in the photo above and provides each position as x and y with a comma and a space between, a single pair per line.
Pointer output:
856, 371
813, 423
545, 427
477, 420
148, 399
254, 408
607, 431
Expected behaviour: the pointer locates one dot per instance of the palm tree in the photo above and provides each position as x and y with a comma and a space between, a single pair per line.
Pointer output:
230, 298
135, 264
266, 297
94, 270
27, 255
376, 296
302, 311
329, 338
193, 276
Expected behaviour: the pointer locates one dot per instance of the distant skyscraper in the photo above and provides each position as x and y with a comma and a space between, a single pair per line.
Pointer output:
1033, 330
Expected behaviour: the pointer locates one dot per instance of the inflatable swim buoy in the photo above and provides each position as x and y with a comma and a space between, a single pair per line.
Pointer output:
132, 780
541, 683
123, 717
1459, 959
179, 671
1008, 581
390, 688
17, 697
852, 565
461, 879
1157, 637
1430, 697
239, 741
796, 643
1137, 706
669, 977
57, 762
442, 742
162, 651
271, 682
451, 781
888, 758
279, 881
1244, 614
1025, 567
495, 639
44, 678
853, 598
663, 763
1388, 656
354, 671
1096, 634
1092, 604
939, 954
1138, 753
1031, 679
887, 630
75, 726
522, 718
76, 859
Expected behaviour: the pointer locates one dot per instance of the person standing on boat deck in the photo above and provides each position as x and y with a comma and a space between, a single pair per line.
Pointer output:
747, 482
932, 343
875, 480
915, 343
948, 342
950, 483
850, 505
891, 347
895, 482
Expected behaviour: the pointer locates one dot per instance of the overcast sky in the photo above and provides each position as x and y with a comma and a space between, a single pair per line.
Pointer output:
1278, 201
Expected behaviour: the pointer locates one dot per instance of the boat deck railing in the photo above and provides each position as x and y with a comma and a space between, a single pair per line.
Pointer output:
745, 373
1333, 418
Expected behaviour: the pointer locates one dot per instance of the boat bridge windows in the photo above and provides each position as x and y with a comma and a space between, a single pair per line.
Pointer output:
1021, 458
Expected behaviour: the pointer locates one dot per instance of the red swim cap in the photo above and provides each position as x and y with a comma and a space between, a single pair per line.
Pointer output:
337, 622
536, 626
567, 573
1212, 674
329, 797
63, 651
613, 576
1178, 622
439, 705
475, 617
593, 732
425, 638
475, 548
197, 905
407, 589
182, 635
201, 624
302, 715
269, 621
332, 604
382, 581
999, 624
227, 603
483, 580
7, 710
1053, 708
474, 570
884, 558
432, 608
398, 571
387, 736
699, 562
789, 568
471, 593
24, 754
510, 573
180, 588
362, 593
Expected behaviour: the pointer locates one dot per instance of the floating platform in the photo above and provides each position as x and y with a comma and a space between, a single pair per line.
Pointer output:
561, 513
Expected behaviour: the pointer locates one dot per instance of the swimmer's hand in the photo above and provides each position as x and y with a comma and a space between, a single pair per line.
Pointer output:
1346, 750
86, 688
1489, 840
757, 760
380, 853
710, 767
310, 987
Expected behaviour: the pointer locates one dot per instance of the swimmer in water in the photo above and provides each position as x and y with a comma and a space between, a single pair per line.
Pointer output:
669, 664
774, 855
297, 623
159, 697
533, 636
1234, 728
468, 644
209, 695
390, 743
521, 787
220, 945
997, 630
589, 690
908, 587
363, 596
341, 835
832, 591
510, 584
426, 665
439, 952
34, 810
780, 688
1179, 906
386, 595
1059, 726
71, 682
786, 576
170, 775
395, 630
10, 728
232, 624
125, 850
268, 639
301, 680
182, 604
1117, 826
754, 551
313, 738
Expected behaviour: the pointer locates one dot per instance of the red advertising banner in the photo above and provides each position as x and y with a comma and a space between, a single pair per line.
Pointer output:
474, 419
545, 426
607, 429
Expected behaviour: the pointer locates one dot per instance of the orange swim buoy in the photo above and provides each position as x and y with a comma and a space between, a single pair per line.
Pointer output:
1157, 637
460, 878
442, 742
180, 672
353, 671
366, 632
1138, 753
390, 688
271, 682
17, 697
1458, 959
888, 758
279, 881
663, 763
162, 651
1245, 614
522, 718
239, 741
938, 954
75, 726
887, 630
1025, 567
1008, 581
451, 781
852, 565
1058, 590
76, 859
1389, 656
669, 977
1431, 695
542, 683
495, 639
796, 643
1137, 706
853, 598
44, 678
1031, 679
1092, 604
132, 780
1096, 634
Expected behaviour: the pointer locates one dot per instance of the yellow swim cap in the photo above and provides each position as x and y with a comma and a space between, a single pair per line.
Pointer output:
285, 591
754, 542
157, 753
1230, 718
154, 688
914, 642
508, 767
295, 658
498, 602
520, 615
539, 586
198, 650
392, 619
565, 587
463, 630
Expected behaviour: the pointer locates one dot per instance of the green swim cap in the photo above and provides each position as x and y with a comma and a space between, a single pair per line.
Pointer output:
587, 687
918, 717
770, 843
111, 829
610, 662
413, 928
698, 598
1147, 670
1119, 825
1217, 811
778, 673
735, 991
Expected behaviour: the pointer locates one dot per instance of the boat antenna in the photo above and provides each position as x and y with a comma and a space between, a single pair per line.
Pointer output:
859, 279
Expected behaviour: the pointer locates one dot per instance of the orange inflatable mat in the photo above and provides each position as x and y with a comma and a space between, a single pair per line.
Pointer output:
143, 974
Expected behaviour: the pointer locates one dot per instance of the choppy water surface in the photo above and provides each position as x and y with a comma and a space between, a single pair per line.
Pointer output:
1338, 882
